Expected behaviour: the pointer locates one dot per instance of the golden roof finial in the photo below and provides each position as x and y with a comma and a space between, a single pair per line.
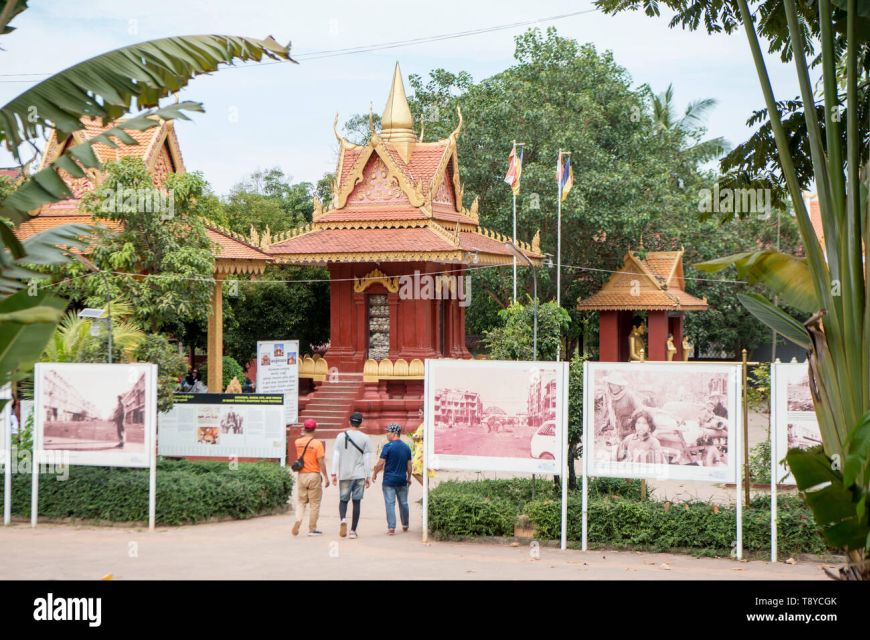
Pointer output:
397, 124
536, 242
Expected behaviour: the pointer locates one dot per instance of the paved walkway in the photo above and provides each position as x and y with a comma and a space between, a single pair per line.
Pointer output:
262, 548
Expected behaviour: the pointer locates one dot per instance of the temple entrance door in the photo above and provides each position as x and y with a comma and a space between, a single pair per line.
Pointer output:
378, 312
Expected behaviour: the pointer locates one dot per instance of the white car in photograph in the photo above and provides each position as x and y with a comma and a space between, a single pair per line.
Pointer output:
544, 441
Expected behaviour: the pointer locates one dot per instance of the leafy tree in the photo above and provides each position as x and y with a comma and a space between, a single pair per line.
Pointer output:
271, 309
688, 127
156, 349
231, 369
159, 260
268, 199
514, 339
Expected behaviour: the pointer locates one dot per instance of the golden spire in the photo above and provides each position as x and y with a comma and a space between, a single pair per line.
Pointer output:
397, 125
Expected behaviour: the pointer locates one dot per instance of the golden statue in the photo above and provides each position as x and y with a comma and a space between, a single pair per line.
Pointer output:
671, 348
687, 348
636, 346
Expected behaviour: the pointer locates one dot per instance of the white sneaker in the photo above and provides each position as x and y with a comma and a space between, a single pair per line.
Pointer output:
311, 534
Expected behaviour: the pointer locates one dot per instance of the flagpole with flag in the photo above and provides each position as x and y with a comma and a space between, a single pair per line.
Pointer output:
515, 170
564, 180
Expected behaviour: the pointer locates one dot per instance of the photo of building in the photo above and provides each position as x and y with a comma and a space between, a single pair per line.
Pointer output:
93, 408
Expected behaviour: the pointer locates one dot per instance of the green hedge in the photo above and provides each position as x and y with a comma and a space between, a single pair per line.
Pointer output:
618, 518
187, 492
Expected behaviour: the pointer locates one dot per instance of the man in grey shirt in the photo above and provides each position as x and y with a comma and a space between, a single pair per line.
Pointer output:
351, 469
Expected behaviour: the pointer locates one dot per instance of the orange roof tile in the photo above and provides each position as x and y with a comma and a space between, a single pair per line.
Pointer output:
350, 241
654, 283
231, 248
43, 223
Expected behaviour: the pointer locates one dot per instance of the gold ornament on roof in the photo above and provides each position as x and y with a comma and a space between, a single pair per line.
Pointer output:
376, 276
397, 124
318, 207
536, 242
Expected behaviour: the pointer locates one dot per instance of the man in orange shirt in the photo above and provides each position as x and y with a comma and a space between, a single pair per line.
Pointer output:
308, 489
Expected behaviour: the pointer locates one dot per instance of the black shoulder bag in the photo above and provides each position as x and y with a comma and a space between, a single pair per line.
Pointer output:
300, 461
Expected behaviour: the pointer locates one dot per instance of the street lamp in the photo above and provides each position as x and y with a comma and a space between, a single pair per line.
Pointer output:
510, 246
93, 315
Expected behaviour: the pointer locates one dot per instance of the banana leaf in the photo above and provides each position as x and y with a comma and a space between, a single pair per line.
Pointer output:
776, 319
786, 276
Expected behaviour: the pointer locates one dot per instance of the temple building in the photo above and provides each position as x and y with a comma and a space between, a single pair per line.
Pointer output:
397, 241
159, 150
653, 283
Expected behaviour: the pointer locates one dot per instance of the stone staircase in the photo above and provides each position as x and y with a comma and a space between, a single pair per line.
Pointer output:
332, 403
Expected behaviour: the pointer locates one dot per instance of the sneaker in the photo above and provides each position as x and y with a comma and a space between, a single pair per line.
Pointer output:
404, 529
391, 532
342, 530
352, 535
315, 533
296, 526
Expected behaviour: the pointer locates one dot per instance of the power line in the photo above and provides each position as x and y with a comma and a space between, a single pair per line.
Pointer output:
403, 275
332, 53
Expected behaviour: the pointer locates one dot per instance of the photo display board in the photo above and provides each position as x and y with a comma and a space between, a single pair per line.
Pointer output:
224, 425
489, 415
793, 414
278, 372
96, 414
662, 420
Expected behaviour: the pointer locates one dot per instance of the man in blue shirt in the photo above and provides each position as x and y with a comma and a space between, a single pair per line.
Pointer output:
395, 461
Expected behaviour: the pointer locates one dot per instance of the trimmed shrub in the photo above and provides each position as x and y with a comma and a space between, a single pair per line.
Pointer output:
618, 518
453, 513
697, 526
187, 492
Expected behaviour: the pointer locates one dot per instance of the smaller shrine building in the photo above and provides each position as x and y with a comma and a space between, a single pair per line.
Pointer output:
651, 282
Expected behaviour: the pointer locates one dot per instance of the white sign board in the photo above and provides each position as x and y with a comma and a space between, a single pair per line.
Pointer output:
490, 415
278, 372
224, 425
792, 412
96, 414
662, 420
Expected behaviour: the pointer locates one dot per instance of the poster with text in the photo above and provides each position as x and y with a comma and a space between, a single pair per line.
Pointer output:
487, 415
794, 415
278, 372
97, 414
662, 420
224, 425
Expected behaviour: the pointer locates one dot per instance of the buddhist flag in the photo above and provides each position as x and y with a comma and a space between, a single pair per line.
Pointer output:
564, 175
515, 170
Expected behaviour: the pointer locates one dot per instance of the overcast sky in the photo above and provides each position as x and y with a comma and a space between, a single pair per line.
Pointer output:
281, 114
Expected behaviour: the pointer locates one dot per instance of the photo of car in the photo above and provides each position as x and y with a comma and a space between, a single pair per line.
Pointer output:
543, 442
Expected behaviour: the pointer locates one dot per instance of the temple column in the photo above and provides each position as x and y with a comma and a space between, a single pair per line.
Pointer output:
608, 336
657, 325
215, 341
676, 326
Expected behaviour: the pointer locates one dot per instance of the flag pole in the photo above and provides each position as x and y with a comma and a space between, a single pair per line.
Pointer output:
559, 244
515, 244
515, 233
